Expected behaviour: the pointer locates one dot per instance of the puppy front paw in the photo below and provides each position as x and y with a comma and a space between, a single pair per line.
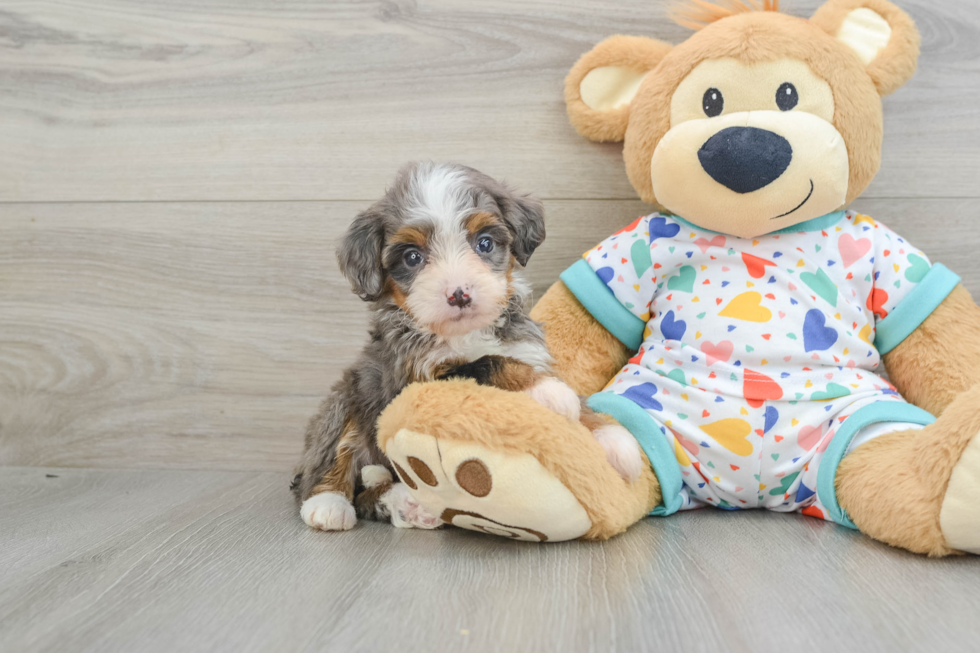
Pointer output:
374, 475
622, 450
328, 511
558, 397
405, 511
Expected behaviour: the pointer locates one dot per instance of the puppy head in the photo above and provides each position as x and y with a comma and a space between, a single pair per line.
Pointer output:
442, 244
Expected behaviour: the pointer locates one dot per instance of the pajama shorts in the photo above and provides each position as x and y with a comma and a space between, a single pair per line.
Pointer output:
715, 450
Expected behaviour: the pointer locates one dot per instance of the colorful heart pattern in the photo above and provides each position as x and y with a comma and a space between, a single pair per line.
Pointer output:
720, 352
748, 307
816, 335
851, 249
755, 350
683, 280
731, 434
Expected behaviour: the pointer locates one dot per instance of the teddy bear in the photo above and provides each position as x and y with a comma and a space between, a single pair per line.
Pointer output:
741, 332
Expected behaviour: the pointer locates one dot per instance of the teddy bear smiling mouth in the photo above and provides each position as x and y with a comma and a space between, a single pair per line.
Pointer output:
799, 206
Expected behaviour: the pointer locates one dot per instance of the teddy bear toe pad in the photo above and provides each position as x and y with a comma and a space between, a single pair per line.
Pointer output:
497, 493
959, 517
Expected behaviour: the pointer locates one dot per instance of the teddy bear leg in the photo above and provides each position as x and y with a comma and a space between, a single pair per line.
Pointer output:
500, 463
919, 489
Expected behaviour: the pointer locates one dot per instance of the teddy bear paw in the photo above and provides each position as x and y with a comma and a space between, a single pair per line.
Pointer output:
471, 486
959, 517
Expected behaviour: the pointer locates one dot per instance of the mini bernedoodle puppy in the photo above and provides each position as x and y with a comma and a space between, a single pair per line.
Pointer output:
440, 258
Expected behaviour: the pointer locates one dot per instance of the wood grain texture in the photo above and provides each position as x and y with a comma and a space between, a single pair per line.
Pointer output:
219, 561
301, 99
203, 335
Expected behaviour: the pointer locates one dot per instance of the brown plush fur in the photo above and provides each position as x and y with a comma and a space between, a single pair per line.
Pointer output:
940, 359
754, 38
633, 52
467, 412
893, 486
698, 14
586, 355
894, 65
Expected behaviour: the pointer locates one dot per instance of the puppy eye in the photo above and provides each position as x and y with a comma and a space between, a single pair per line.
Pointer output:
713, 102
484, 245
787, 97
413, 257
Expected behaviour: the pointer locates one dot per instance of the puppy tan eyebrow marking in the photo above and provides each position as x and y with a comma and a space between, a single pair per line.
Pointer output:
480, 221
410, 236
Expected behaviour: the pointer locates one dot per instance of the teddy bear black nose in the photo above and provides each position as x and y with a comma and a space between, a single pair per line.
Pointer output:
745, 159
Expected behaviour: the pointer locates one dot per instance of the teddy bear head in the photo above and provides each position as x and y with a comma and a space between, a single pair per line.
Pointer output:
760, 120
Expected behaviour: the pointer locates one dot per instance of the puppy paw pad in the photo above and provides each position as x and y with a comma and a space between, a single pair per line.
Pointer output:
406, 512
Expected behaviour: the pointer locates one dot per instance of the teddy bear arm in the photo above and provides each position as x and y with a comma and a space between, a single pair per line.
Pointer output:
586, 354
941, 358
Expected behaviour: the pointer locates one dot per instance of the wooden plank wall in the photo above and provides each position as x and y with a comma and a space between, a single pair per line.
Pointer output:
174, 175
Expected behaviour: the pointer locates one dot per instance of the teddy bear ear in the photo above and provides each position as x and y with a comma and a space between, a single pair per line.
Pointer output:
883, 36
601, 85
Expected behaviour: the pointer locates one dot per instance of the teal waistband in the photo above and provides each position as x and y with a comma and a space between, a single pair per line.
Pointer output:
876, 413
600, 302
647, 432
915, 308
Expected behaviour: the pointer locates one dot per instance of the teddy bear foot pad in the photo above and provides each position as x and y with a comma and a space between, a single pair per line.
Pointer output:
470, 486
959, 518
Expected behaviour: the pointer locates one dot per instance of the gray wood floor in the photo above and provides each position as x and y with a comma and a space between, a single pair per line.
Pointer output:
116, 560
173, 177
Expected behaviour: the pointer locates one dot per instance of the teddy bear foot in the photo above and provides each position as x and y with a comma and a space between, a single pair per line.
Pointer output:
470, 486
959, 517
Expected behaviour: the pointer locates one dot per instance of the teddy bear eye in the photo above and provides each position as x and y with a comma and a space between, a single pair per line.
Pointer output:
713, 102
787, 97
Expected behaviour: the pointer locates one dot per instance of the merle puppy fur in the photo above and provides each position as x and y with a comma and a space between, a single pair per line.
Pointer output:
439, 258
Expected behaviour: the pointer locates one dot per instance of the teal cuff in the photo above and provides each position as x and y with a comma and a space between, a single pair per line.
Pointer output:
882, 411
647, 432
602, 304
915, 308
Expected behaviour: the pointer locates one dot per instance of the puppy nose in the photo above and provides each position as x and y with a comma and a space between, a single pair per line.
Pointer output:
745, 159
459, 298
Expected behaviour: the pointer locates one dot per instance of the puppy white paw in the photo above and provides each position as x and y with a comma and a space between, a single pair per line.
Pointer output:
622, 450
375, 475
328, 511
405, 510
557, 396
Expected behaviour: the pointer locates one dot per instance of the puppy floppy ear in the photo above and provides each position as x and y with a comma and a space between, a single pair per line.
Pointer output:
359, 255
883, 36
524, 216
601, 85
